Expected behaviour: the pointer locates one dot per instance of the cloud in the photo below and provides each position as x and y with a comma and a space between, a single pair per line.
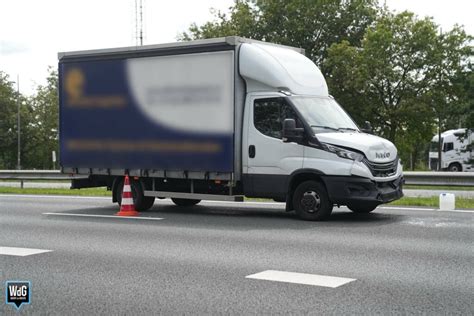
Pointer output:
12, 48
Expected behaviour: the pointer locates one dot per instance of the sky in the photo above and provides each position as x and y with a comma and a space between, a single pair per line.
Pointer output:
32, 32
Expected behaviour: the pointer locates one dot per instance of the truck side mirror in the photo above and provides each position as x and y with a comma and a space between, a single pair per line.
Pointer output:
290, 132
367, 128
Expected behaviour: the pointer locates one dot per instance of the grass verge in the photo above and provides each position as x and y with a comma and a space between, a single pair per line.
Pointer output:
467, 203
433, 202
435, 187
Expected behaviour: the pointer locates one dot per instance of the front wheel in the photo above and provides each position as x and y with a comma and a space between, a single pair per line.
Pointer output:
185, 202
311, 201
455, 167
362, 209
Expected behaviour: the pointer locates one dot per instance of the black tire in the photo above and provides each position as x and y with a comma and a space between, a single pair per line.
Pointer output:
311, 201
141, 202
185, 202
362, 209
455, 167
147, 203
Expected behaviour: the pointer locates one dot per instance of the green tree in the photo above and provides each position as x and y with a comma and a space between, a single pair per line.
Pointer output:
312, 25
315, 25
466, 81
44, 126
8, 129
9, 122
401, 77
242, 20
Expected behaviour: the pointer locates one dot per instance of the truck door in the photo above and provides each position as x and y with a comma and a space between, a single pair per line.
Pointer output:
268, 161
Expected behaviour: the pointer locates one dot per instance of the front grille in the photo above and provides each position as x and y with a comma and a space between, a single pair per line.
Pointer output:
382, 169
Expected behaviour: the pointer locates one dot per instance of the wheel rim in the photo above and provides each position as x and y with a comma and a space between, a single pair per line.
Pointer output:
454, 168
311, 201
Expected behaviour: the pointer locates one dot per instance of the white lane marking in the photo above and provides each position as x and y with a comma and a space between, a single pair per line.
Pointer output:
21, 252
247, 203
221, 202
104, 216
458, 211
426, 209
300, 278
408, 208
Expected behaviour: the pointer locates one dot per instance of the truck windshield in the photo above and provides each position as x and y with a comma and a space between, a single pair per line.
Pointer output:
434, 147
324, 114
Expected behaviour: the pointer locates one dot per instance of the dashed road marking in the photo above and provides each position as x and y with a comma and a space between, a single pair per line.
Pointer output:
105, 216
300, 278
21, 252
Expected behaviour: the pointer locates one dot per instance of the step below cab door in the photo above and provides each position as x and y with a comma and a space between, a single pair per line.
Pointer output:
267, 160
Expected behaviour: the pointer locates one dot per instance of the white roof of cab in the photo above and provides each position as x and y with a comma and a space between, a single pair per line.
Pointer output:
267, 68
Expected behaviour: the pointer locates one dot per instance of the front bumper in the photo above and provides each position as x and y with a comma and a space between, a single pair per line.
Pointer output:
357, 190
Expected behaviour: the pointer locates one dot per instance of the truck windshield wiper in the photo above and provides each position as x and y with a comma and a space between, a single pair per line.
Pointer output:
347, 129
325, 127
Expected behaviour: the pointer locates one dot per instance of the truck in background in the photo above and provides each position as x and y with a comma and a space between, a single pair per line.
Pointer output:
218, 119
455, 153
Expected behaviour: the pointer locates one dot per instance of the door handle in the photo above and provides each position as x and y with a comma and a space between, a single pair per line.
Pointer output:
252, 151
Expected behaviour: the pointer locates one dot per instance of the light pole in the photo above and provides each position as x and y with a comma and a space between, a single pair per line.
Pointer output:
18, 121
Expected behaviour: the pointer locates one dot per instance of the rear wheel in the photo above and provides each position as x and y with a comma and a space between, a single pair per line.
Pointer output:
141, 202
185, 202
147, 203
362, 209
311, 201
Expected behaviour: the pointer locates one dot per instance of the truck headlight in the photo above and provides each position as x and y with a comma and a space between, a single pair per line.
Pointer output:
343, 153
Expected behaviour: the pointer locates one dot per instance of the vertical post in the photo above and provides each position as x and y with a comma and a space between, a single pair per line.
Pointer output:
440, 144
141, 23
53, 158
136, 23
18, 122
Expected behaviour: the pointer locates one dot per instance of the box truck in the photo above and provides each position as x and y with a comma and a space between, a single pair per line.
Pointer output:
218, 119
457, 150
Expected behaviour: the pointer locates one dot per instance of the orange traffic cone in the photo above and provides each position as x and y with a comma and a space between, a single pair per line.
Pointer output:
127, 208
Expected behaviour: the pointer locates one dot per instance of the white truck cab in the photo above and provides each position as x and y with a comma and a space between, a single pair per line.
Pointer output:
301, 147
455, 155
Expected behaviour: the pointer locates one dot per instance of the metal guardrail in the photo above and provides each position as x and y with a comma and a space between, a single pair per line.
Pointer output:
38, 175
47, 175
411, 177
439, 178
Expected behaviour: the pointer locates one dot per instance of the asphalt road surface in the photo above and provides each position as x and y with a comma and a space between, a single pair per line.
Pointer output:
198, 260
